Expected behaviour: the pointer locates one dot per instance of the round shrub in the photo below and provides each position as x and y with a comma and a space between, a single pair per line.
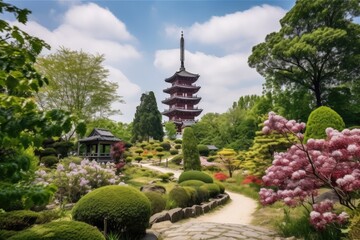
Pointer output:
221, 187
195, 175
164, 177
177, 159
203, 194
213, 189
138, 159
127, 210
49, 161
203, 150
191, 192
62, 230
320, 119
192, 183
157, 201
177, 146
128, 159
48, 152
159, 149
165, 145
180, 196
211, 158
174, 151
18, 220
63, 148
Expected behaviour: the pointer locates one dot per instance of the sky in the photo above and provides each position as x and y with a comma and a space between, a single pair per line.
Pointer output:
140, 42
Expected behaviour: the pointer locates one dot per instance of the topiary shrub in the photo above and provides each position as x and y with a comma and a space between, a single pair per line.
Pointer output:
189, 150
211, 158
203, 194
6, 234
221, 187
177, 146
178, 141
126, 209
18, 220
192, 183
195, 175
203, 150
48, 152
63, 148
165, 145
157, 201
177, 159
320, 119
179, 196
213, 189
62, 230
191, 192
174, 151
49, 161
164, 177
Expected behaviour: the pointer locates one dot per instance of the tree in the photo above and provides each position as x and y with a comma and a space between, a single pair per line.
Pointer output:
119, 129
23, 126
228, 158
190, 152
77, 83
147, 120
317, 48
170, 130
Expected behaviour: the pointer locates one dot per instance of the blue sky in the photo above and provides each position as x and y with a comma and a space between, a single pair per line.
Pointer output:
140, 41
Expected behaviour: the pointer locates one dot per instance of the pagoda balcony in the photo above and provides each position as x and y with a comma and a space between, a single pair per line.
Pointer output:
192, 111
186, 88
182, 99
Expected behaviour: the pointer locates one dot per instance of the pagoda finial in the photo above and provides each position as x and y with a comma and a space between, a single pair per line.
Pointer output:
182, 51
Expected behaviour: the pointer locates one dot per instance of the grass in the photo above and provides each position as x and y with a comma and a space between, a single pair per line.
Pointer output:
249, 190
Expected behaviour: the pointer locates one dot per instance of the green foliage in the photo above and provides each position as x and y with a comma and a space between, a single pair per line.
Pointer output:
180, 197
177, 159
61, 230
63, 148
159, 149
48, 151
170, 130
203, 194
165, 145
126, 209
213, 189
221, 186
190, 151
147, 120
192, 183
75, 76
18, 220
174, 151
301, 55
203, 150
22, 196
177, 146
178, 141
164, 177
212, 158
354, 232
195, 175
49, 161
320, 119
157, 201
119, 129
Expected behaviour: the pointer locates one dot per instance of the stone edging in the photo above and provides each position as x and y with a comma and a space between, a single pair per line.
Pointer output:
177, 214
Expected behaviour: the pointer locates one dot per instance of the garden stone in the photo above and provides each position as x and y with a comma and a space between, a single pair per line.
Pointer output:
206, 207
175, 214
153, 188
197, 210
159, 217
189, 212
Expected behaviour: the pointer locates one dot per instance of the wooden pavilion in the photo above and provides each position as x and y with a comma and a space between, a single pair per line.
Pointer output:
98, 145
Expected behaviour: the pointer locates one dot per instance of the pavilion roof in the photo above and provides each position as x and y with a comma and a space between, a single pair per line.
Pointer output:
100, 134
184, 74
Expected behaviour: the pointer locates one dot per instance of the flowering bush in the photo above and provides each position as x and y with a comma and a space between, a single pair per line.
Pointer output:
252, 179
298, 173
220, 176
74, 181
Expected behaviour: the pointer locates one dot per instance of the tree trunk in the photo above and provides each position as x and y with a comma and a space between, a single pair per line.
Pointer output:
317, 91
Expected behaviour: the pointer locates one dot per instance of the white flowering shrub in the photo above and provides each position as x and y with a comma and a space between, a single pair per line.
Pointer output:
75, 180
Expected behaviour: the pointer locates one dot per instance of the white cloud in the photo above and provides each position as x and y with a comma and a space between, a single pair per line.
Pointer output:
236, 30
96, 30
222, 79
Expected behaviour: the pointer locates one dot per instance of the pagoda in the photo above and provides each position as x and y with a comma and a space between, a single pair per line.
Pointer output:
182, 101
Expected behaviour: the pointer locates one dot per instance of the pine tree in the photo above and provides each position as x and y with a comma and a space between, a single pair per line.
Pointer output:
147, 120
190, 152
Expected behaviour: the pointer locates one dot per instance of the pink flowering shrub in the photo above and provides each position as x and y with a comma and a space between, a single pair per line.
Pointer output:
298, 173
74, 181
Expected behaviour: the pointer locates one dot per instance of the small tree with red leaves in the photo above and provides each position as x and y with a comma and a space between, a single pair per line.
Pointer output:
116, 153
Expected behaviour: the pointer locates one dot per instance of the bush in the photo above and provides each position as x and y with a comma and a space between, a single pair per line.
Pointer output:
48, 215
177, 146
195, 175
157, 201
213, 189
159, 149
164, 177
6, 234
63, 148
203, 194
174, 151
320, 119
203, 150
138, 159
179, 196
221, 187
127, 210
220, 176
48, 152
211, 158
62, 230
128, 159
178, 141
177, 159
18, 220
165, 145
192, 183
354, 232
49, 161
193, 196
189, 151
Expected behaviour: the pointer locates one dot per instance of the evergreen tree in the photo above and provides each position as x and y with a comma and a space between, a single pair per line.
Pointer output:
147, 121
190, 152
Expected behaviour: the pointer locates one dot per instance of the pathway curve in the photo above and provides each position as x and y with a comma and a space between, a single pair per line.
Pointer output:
224, 223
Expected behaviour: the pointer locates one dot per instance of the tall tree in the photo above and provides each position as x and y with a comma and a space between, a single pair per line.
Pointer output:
147, 121
190, 151
77, 83
170, 129
318, 47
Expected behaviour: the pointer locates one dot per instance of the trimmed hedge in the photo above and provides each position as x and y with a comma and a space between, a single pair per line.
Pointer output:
192, 183
213, 189
180, 196
127, 210
203, 150
174, 151
195, 175
48, 152
221, 186
177, 159
178, 141
62, 230
18, 220
49, 161
165, 145
157, 201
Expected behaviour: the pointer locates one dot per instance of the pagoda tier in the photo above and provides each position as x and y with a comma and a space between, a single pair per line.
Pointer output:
182, 113
182, 88
175, 99
183, 75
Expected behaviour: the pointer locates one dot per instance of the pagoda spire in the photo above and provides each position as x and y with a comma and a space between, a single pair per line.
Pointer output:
182, 52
